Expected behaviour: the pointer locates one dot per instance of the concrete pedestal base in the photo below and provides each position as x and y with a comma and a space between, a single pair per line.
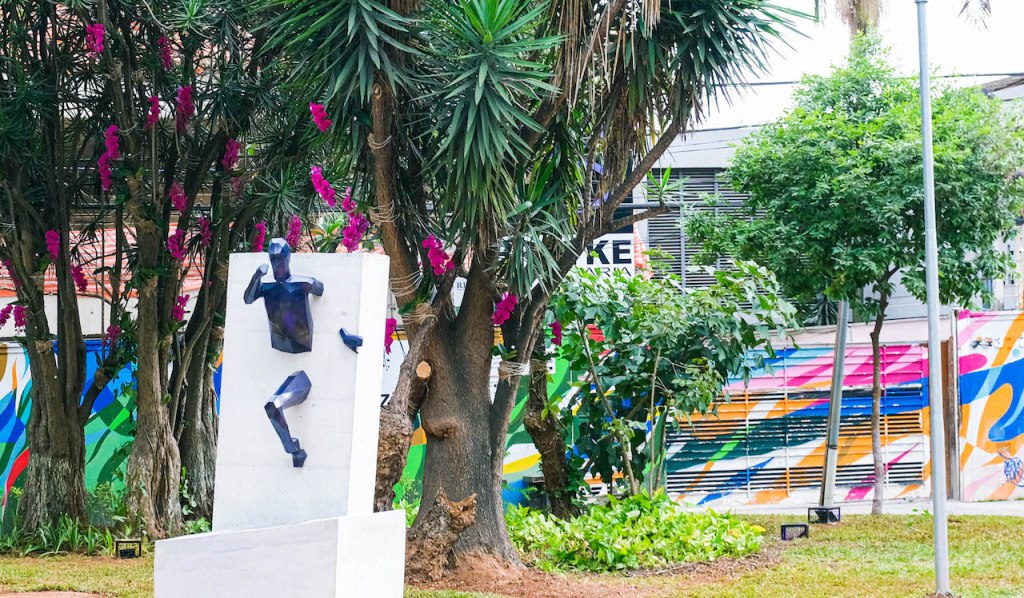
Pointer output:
352, 557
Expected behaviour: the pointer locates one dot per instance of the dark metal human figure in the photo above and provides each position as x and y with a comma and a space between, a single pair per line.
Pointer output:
286, 300
292, 391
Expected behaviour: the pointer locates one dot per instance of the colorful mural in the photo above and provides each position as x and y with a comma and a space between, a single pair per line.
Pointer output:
991, 426
767, 444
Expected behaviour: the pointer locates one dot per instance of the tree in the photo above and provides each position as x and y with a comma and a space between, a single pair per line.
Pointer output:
650, 354
493, 139
837, 187
49, 94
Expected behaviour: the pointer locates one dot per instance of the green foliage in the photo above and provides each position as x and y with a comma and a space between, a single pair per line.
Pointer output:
837, 187
638, 532
663, 353
408, 496
61, 536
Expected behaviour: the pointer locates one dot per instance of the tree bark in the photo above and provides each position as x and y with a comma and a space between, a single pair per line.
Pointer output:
547, 436
198, 441
876, 407
431, 538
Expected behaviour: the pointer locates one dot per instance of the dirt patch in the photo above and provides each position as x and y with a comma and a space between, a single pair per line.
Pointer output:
484, 573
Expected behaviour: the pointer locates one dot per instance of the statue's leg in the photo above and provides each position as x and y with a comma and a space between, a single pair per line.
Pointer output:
292, 391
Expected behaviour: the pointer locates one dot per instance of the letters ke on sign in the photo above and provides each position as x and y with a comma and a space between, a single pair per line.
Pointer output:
609, 253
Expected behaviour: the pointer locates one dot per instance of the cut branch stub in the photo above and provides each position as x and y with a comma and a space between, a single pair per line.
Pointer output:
423, 370
431, 538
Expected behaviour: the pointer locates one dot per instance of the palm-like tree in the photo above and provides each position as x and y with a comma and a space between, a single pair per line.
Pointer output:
512, 131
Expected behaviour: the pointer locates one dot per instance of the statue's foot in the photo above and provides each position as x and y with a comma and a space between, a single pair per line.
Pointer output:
299, 456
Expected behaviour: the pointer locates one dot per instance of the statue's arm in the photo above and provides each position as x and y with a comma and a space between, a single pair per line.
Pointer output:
310, 285
255, 289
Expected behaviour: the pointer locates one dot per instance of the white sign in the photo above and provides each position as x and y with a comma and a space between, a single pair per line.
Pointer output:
609, 253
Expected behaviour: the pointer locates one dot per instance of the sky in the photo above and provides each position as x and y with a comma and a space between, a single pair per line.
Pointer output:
957, 45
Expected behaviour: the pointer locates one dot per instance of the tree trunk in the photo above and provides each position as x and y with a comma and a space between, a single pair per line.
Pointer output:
55, 476
876, 407
198, 441
547, 437
154, 466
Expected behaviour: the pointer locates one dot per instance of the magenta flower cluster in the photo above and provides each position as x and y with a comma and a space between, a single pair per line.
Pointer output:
178, 311
20, 316
53, 244
113, 152
231, 149
185, 109
556, 333
9, 265
260, 237
178, 198
322, 186
78, 275
164, 46
320, 117
113, 331
440, 261
389, 333
503, 310
294, 230
94, 35
176, 245
205, 233
237, 185
154, 112
5, 314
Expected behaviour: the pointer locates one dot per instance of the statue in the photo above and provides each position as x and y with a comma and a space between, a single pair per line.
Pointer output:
292, 391
286, 300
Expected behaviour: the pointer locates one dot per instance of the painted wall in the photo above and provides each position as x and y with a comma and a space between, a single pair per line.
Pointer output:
991, 427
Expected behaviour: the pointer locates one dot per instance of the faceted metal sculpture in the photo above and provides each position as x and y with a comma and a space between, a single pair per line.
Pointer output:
286, 300
351, 341
292, 391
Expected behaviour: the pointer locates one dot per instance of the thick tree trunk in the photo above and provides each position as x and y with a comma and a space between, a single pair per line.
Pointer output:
547, 437
876, 408
431, 539
396, 419
55, 476
154, 467
198, 441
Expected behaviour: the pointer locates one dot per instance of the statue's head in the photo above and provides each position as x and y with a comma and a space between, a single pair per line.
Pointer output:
279, 253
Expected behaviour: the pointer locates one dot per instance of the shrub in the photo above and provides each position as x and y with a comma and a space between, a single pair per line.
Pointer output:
637, 532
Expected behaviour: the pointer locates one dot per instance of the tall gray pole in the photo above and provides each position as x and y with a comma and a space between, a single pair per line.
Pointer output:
828, 482
931, 261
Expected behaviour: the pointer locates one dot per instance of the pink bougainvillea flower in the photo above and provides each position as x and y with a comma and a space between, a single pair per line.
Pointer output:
106, 173
53, 244
185, 109
113, 331
164, 45
320, 117
81, 282
504, 308
231, 149
178, 198
294, 230
260, 236
5, 313
9, 265
20, 316
176, 245
357, 226
112, 142
94, 35
154, 112
556, 333
322, 186
178, 311
205, 233
389, 333
112, 152
440, 261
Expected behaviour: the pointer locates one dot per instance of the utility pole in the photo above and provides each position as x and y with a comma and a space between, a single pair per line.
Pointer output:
828, 482
931, 260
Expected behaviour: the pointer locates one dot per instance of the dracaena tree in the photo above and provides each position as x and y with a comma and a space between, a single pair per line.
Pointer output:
145, 111
490, 140
50, 99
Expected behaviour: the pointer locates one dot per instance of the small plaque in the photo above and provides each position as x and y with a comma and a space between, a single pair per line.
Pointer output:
127, 549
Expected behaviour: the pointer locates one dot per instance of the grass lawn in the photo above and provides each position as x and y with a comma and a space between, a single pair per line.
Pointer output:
864, 556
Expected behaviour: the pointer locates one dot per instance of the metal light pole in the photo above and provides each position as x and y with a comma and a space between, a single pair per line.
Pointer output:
931, 261
828, 482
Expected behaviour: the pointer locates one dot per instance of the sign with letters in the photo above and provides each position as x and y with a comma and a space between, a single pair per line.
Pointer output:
609, 253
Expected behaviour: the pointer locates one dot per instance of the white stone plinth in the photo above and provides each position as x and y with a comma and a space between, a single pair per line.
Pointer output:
352, 557
256, 485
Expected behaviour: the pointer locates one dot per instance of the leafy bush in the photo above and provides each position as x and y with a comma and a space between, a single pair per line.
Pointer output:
64, 535
637, 532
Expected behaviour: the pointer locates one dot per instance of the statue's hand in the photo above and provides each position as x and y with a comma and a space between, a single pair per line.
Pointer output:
261, 271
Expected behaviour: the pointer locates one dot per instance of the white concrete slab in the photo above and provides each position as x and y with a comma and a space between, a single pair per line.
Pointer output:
353, 557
